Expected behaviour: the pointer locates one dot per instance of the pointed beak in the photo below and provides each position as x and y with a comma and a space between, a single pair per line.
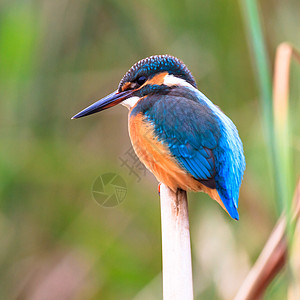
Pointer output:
106, 102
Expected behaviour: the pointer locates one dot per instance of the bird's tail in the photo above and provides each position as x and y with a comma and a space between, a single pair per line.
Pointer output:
228, 206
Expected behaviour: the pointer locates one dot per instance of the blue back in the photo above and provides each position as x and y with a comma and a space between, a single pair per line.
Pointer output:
202, 139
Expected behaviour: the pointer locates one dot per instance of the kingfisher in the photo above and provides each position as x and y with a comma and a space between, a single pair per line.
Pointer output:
185, 140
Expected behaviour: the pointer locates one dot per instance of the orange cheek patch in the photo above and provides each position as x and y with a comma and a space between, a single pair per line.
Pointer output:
125, 86
157, 79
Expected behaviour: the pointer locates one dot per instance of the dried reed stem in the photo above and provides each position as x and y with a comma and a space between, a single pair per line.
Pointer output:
268, 264
271, 260
284, 54
176, 248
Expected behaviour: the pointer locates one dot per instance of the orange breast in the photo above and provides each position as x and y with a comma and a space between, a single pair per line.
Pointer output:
157, 158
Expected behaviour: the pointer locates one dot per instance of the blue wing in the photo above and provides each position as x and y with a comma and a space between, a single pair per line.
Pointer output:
201, 138
190, 130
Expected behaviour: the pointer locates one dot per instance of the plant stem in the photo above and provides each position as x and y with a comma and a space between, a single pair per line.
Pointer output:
264, 82
176, 248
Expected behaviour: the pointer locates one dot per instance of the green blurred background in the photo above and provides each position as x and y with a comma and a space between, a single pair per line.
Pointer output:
58, 56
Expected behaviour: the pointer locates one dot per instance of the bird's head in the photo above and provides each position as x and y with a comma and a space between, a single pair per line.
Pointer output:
154, 74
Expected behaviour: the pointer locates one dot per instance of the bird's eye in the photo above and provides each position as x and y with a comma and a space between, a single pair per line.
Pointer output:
141, 80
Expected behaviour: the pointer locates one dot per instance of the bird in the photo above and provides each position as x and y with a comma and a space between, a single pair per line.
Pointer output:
184, 139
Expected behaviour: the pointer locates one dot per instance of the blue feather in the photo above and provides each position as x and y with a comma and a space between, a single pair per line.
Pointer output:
201, 137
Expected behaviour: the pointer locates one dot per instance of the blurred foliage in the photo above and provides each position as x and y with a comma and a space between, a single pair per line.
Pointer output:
58, 56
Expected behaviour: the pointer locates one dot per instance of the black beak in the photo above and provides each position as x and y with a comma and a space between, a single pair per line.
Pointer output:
106, 102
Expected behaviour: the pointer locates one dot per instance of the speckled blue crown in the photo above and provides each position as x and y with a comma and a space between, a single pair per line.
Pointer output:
156, 64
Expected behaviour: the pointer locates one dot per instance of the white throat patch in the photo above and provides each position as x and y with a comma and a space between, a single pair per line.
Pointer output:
130, 102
